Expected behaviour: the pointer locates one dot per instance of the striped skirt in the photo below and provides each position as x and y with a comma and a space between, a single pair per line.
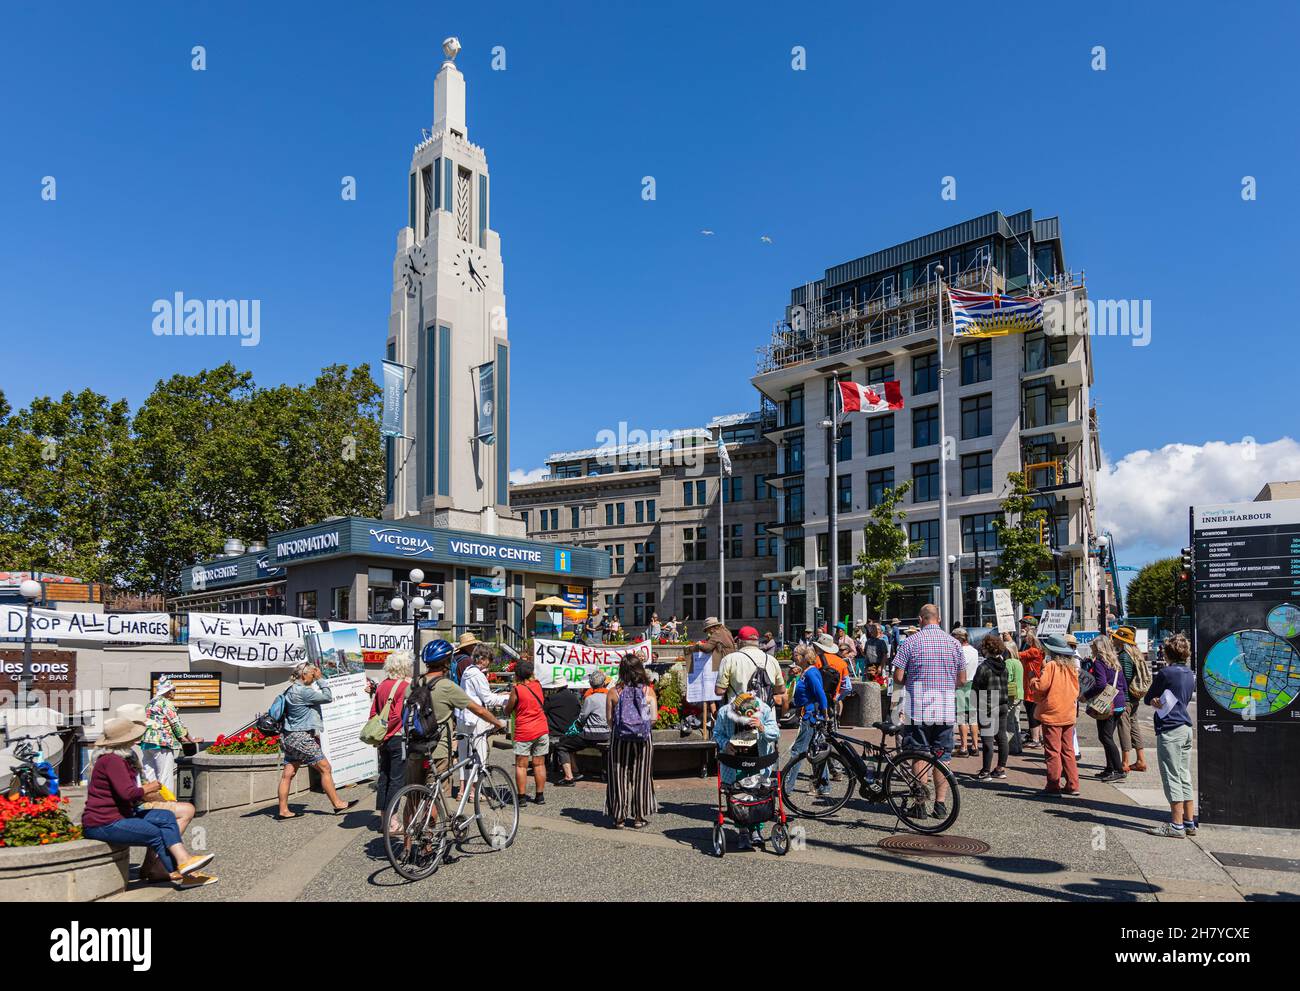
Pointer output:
629, 789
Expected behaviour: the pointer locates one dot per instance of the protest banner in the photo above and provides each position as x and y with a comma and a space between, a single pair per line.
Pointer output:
702, 679
340, 738
106, 627
248, 640
378, 640
558, 662
1054, 622
1002, 606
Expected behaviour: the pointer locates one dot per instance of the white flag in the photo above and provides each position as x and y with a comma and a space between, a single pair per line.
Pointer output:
723, 457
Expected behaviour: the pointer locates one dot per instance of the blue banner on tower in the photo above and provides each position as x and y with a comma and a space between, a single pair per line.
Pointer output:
394, 418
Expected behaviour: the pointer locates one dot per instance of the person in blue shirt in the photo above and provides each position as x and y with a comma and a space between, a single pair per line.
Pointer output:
1174, 737
810, 702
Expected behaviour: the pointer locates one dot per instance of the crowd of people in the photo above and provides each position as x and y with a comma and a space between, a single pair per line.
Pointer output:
953, 699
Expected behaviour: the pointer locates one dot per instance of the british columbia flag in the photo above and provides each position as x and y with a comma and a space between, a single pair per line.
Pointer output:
977, 314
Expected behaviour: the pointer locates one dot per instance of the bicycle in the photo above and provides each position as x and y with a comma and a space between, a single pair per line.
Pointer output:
425, 829
906, 780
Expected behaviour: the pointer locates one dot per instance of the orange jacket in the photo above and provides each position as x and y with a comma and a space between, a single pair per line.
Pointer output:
840, 665
1032, 659
1057, 688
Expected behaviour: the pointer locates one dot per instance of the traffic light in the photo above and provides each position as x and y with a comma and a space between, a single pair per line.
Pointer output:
1186, 576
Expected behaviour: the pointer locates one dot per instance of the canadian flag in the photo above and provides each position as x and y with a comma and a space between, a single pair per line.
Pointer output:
855, 398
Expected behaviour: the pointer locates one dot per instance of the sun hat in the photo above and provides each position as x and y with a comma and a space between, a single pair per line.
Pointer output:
1072, 640
165, 687
1125, 634
711, 622
826, 644
120, 732
1029, 621
1056, 644
746, 703
748, 633
466, 640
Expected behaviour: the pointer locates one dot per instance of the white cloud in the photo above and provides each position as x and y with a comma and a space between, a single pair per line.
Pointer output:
1143, 498
518, 476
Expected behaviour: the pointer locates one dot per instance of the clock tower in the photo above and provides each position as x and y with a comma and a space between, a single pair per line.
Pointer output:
447, 332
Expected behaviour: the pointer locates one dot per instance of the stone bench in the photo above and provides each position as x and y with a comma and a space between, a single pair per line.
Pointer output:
78, 871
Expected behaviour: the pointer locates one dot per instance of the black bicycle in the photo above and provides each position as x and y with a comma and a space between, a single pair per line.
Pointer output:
916, 785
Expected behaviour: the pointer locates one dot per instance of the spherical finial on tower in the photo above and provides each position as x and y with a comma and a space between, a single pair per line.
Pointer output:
451, 48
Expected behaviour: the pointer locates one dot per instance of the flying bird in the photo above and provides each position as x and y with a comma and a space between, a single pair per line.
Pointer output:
765, 239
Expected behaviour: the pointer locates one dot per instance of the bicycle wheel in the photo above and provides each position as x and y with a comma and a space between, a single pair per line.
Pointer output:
809, 788
910, 788
496, 807
414, 838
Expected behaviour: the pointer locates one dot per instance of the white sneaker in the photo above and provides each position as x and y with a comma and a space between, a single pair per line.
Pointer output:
1167, 829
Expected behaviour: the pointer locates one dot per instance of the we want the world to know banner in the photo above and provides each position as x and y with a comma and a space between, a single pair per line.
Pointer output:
107, 627
248, 640
559, 662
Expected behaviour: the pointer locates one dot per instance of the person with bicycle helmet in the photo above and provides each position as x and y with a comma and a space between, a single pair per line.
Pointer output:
445, 697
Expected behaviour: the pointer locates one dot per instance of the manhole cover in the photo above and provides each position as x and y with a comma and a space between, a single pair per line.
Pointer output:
933, 846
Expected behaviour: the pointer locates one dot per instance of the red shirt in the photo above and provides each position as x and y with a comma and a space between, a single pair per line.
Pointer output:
530, 719
380, 699
112, 794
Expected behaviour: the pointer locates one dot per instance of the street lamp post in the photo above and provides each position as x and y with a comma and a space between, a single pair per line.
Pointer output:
31, 591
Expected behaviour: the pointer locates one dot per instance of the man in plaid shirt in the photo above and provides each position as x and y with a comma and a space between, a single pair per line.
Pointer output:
930, 666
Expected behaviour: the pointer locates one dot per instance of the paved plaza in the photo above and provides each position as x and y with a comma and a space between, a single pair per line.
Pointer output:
1093, 848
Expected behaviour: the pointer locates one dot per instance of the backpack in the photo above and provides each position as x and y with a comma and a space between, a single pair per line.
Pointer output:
830, 680
1141, 673
419, 724
631, 720
760, 682
271, 722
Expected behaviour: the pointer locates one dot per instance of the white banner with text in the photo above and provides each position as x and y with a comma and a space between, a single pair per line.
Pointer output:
248, 640
560, 662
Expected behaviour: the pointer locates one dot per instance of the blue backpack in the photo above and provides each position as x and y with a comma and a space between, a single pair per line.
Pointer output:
630, 717
272, 722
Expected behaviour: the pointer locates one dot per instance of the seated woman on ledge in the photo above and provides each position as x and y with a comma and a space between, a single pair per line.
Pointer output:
114, 812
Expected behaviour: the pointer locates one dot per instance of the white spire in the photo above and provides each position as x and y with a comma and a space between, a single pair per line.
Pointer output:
449, 93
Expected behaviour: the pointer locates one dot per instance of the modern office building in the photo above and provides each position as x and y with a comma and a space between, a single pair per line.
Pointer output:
1015, 403
447, 501
652, 503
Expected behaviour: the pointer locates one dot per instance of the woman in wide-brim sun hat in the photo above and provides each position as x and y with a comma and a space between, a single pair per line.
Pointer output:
115, 811
164, 735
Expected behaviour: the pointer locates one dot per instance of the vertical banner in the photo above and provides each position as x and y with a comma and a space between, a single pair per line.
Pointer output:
393, 423
486, 431
338, 655
1005, 614
1247, 613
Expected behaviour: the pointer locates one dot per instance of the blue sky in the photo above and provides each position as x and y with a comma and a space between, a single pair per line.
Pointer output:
225, 183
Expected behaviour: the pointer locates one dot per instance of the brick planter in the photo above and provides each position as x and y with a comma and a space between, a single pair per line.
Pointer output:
237, 780
79, 871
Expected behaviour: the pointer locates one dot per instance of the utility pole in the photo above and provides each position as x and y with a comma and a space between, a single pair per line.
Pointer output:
832, 424
943, 471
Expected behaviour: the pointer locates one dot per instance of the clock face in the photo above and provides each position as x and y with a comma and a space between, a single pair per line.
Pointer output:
414, 268
470, 267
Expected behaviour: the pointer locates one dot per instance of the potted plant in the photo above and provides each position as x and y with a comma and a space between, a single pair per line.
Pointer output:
241, 769
35, 822
44, 856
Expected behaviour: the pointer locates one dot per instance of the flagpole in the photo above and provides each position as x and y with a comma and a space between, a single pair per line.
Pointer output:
943, 473
722, 541
833, 511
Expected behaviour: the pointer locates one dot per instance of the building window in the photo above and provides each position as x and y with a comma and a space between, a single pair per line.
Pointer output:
643, 607
877, 482
545, 519
977, 473
695, 600
615, 552
1044, 406
925, 426
766, 602
977, 532
342, 599
733, 488
793, 459
571, 470
880, 435
523, 515
575, 517
844, 450
1042, 351
614, 606
844, 494
695, 543
925, 481
307, 605
693, 493
925, 373
976, 362
793, 503
650, 510
645, 557
923, 538
735, 540
880, 374
977, 416
640, 510
735, 599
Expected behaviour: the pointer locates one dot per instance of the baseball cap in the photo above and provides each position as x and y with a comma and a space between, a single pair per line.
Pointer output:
748, 633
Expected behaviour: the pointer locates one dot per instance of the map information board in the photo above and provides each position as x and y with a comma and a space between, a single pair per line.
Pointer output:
1247, 639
